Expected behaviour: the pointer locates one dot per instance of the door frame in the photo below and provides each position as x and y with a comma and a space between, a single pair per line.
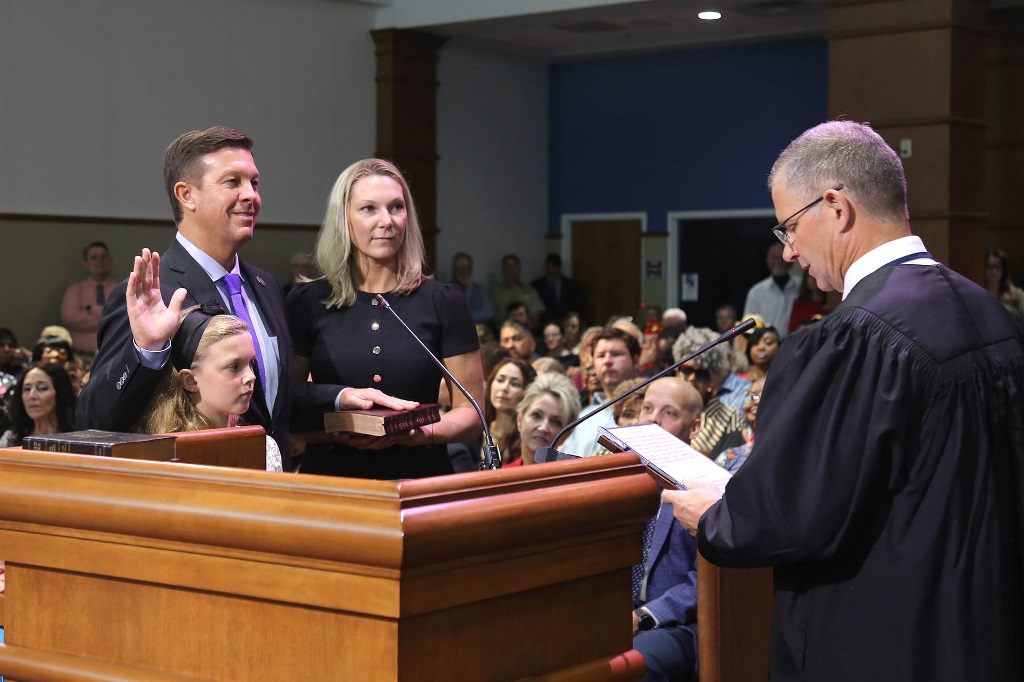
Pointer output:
675, 223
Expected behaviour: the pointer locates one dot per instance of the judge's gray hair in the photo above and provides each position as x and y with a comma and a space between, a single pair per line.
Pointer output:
715, 360
847, 153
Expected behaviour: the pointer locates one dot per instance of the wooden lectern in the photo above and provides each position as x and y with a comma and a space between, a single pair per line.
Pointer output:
134, 570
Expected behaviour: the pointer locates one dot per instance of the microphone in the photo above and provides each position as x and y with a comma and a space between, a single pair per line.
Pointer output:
550, 454
492, 458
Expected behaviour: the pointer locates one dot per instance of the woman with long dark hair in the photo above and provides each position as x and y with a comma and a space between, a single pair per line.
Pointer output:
42, 402
999, 284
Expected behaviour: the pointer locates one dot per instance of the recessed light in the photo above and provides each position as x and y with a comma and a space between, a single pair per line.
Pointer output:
709, 16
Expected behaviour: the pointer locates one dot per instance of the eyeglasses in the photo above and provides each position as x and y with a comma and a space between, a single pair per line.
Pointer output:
698, 373
753, 396
784, 233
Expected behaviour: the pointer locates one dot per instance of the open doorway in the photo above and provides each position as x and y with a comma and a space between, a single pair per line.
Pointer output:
720, 255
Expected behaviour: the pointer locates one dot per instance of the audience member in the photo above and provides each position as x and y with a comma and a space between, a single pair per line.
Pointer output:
303, 268
554, 340
721, 424
518, 311
733, 458
511, 289
212, 184
886, 478
491, 353
83, 302
572, 329
725, 317
545, 364
615, 354
12, 356
356, 352
480, 307
57, 330
485, 334
41, 403
809, 302
560, 294
518, 340
210, 379
762, 345
627, 412
772, 298
663, 358
505, 386
53, 348
665, 584
548, 404
586, 380
1000, 285
674, 318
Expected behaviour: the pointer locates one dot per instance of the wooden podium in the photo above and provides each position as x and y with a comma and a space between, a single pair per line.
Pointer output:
133, 570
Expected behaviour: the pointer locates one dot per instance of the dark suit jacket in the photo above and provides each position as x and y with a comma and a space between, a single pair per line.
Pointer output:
672, 574
573, 298
120, 386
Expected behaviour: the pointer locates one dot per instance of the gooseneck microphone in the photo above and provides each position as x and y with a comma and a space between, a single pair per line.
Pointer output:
550, 454
492, 458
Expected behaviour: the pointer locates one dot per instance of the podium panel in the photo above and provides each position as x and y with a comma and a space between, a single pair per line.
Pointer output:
121, 569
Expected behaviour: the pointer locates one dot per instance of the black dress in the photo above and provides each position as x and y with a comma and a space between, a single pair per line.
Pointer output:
364, 346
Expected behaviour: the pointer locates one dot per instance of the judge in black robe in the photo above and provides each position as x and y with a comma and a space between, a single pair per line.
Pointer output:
885, 481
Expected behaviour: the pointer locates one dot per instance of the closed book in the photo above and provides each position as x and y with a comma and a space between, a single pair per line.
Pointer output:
105, 444
381, 422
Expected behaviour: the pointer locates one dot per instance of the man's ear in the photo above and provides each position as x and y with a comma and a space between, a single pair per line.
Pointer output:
840, 209
695, 428
188, 380
183, 193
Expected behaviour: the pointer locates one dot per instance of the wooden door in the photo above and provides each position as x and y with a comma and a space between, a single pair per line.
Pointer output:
606, 258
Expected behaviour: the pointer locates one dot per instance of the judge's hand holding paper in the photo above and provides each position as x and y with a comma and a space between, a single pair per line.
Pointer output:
690, 504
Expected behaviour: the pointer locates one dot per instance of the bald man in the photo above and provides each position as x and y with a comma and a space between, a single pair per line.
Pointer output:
665, 610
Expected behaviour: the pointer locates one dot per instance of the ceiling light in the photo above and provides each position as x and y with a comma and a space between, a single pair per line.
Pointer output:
709, 16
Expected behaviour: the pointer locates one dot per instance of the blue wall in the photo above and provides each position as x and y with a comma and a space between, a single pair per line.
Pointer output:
685, 131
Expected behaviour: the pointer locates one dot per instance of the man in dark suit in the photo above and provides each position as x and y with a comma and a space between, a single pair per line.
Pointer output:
213, 186
560, 294
665, 614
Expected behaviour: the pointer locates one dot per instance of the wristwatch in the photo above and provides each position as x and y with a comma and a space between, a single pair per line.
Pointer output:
645, 621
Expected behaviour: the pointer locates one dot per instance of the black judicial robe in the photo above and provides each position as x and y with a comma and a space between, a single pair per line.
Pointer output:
885, 487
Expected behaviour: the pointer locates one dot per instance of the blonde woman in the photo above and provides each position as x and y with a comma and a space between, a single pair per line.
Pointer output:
357, 353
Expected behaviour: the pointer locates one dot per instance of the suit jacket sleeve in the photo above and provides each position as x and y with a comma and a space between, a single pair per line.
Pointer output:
119, 386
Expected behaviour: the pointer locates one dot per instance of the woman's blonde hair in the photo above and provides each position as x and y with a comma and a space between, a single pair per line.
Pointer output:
172, 408
334, 252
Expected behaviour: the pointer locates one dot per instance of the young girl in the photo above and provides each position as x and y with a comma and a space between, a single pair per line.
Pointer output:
209, 380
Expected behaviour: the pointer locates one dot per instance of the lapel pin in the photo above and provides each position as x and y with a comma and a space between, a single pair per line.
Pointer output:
260, 280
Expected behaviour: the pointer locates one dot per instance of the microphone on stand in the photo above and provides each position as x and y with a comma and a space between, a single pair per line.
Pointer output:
492, 458
550, 454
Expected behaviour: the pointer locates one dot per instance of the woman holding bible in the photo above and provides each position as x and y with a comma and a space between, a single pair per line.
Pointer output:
356, 352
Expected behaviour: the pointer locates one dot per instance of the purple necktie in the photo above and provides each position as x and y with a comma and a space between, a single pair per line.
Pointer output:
234, 285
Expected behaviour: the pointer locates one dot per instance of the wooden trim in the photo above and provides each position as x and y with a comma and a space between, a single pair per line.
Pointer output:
33, 665
143, 222
874, 31
923, 121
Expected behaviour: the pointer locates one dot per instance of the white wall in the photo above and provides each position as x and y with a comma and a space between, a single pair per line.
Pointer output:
492, 185
92, 92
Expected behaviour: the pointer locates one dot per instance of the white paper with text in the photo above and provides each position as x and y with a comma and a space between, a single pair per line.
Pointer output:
667, 455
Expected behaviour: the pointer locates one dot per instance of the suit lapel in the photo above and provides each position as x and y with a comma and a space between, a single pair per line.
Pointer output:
179, 269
